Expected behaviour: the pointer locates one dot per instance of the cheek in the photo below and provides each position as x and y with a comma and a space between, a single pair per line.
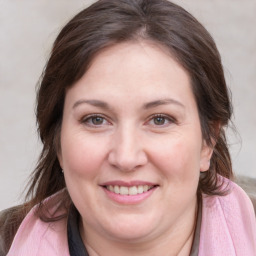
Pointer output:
178, 158
81, 155
179, 164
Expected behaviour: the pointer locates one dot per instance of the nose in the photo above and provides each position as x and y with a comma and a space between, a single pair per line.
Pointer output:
127, 152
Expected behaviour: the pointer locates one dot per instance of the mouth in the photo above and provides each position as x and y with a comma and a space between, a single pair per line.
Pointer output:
129, 193
129, 190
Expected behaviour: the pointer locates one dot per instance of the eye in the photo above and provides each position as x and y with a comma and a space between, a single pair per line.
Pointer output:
161, 120
95, 120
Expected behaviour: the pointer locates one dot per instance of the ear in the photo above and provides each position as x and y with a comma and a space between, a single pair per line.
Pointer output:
207, 150
59, 155
206, 154
57, 144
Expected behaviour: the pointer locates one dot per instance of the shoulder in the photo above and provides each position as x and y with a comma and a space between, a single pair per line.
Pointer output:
228, 222
236, 201
10, 220
249, 185
38, 237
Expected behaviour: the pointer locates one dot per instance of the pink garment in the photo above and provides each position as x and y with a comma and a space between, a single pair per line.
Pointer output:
228, 225
228, 228
37, 238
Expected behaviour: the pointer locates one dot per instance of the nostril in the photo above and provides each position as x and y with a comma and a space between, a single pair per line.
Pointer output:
127, 161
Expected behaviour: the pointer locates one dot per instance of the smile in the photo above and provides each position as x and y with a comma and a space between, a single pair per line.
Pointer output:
131, 191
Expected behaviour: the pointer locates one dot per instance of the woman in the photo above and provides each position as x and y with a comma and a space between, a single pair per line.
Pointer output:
131, 111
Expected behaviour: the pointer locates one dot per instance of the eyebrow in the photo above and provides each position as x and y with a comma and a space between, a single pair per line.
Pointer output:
157, 103
151, 104
96, 103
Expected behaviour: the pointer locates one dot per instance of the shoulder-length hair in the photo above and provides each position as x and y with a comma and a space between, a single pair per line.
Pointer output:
109, 22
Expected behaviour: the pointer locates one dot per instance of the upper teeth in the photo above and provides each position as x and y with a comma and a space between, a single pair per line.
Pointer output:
134, 190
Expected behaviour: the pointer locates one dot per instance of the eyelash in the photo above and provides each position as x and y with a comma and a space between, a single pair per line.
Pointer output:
167, 118
88, 120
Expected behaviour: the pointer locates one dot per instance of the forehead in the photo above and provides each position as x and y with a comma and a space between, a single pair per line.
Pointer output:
134, 69
139, 53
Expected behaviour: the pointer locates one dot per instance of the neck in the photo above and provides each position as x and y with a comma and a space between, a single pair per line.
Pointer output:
175, 242
143, 251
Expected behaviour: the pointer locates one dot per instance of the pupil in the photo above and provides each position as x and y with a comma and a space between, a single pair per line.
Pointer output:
97, 120
159, 120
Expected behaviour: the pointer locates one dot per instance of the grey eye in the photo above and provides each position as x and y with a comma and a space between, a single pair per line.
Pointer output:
159, 120
97, 120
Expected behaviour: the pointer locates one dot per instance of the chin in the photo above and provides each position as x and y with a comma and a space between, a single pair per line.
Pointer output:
132, 229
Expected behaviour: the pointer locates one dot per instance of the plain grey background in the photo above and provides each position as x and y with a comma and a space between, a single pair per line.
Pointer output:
28, 29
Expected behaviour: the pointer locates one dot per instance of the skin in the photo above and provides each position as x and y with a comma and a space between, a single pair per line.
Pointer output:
126, 86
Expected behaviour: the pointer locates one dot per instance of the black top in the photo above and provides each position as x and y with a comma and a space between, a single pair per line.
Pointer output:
76, 245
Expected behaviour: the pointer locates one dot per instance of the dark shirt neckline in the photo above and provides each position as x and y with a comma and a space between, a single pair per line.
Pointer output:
76, 245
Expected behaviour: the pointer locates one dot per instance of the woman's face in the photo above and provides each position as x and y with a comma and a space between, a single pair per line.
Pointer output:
131, 144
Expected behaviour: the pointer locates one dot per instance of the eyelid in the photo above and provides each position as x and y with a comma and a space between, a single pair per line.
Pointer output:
85, 118
166, 116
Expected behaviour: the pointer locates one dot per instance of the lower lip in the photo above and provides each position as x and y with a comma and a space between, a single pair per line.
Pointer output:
127, 199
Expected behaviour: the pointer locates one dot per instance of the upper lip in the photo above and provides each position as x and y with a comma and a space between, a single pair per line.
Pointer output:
127, 183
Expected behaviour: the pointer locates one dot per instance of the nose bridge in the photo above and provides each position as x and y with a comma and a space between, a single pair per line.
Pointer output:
127, 150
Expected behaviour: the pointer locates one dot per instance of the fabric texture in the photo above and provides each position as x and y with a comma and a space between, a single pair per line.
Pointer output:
228, 228
38, 238
228, 224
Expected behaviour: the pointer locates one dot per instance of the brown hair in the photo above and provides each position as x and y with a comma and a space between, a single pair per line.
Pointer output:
108, 22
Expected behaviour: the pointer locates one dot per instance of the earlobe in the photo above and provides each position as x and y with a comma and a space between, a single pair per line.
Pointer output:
208, 148
206, 155
58, 149
205, 165
59, 156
